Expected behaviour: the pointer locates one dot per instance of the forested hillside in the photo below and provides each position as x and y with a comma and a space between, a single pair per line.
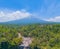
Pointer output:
45, 36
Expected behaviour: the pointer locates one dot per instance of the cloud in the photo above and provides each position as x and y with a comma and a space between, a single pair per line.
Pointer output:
55, 19
9, 15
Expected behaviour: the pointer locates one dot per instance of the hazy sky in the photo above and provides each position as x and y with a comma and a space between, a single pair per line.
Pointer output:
48, 10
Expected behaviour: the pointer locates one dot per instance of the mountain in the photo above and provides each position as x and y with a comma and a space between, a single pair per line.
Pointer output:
29, 20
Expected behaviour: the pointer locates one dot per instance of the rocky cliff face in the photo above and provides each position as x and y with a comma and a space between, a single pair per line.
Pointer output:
25, 43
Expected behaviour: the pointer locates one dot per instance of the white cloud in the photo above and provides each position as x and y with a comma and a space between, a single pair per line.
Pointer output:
55, 19
13, 15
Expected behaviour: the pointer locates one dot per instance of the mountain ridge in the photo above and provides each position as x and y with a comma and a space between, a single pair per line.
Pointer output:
28, 20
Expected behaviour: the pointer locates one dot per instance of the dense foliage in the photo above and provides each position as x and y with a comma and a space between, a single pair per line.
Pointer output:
45, 36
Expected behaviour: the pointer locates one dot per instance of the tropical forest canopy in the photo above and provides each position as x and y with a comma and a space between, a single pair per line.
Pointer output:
45, 36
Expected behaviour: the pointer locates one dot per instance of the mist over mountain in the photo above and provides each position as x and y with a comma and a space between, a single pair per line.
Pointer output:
28, 20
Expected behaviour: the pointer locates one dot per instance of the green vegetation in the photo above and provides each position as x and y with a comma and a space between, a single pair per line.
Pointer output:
45, 36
